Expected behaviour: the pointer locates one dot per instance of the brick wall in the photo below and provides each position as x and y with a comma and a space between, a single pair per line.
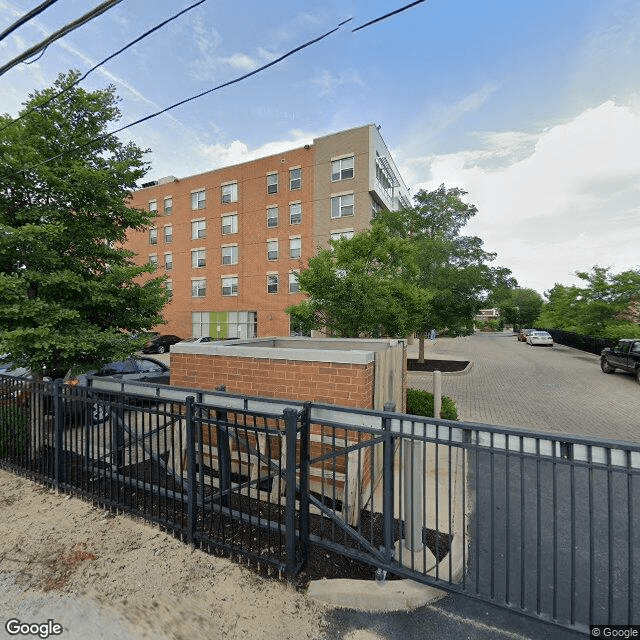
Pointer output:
349, 385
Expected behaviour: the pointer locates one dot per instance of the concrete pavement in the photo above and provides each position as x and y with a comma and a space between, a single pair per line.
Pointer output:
556, 390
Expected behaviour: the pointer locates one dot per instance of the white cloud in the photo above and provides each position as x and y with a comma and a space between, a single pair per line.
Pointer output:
328, 83
562, 207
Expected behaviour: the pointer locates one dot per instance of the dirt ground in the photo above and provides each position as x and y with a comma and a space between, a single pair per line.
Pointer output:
55, 545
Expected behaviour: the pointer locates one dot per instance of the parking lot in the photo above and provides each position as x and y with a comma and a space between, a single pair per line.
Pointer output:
558, 390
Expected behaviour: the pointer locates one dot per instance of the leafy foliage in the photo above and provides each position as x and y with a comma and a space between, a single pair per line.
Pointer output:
607, 306
13, 431
421, 403
68, 291
518, 307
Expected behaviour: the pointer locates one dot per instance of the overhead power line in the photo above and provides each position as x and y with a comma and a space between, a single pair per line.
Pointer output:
387, 15
113, 55
26, 17
221, 86
94, 13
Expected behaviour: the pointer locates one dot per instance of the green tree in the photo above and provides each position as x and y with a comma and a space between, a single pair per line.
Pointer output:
361, 287
453, 267
521, 307
606, 306
69, 292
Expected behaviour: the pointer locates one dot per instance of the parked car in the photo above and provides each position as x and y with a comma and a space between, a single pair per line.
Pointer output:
200, 340
541, 338
523, 334
160, 344
625, 356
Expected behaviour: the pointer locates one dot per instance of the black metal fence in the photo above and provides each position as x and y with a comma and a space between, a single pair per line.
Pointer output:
579, 341
547, 526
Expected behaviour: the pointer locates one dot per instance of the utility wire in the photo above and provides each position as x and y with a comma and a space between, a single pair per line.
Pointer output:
387, 15
223, 85
26, 17
94, 13
195, 97
113, 55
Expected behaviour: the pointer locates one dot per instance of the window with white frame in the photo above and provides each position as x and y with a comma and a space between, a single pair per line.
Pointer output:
198, 229
295, 247
153, 260
272, 249
168, 285
295, 179
199, 258
272, 217
229, 192
343, 233
168, 261
230, 286
229, 224
153, 236
342, 206
342, 169
295, 213
294, 285
272, 283
272, 183
198, 199
230, 254
168, 206
198, 287
168, 233
153, 206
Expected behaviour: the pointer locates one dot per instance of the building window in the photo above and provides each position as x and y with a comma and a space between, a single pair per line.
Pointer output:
342, 169
168, 261
168, 285
229, 193
295, 247
198, 258
153, 236
199, 288
230, 286
168, 206
294, 285
272, 249
272, 283
230, 254
153, 260
375, 207
224, 324
342, 206
346, 233
153, 206
198, 229
295, 179
168, 233
295, 213
229, 224
198, 199
272, 183
272, 217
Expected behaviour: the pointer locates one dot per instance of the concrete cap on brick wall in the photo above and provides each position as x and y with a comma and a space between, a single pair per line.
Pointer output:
338, 350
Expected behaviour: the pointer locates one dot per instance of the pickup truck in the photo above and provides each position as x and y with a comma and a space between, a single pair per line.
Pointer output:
625, 356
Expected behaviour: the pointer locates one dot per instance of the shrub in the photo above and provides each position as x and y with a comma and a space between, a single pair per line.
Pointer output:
420, 403
13, 431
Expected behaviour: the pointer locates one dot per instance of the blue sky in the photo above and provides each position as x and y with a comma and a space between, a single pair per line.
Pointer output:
532, 107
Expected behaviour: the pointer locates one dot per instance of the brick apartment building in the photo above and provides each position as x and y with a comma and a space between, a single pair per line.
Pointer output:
232, 240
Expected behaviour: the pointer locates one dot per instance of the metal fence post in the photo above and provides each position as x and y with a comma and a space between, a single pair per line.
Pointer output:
291, 424
305, 427
58, 429
224, 453
388, 472
191, 470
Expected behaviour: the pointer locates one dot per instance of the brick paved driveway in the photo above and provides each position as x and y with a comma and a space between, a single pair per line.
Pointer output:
559, 390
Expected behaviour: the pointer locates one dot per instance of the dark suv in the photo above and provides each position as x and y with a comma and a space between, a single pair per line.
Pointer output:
625, 356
